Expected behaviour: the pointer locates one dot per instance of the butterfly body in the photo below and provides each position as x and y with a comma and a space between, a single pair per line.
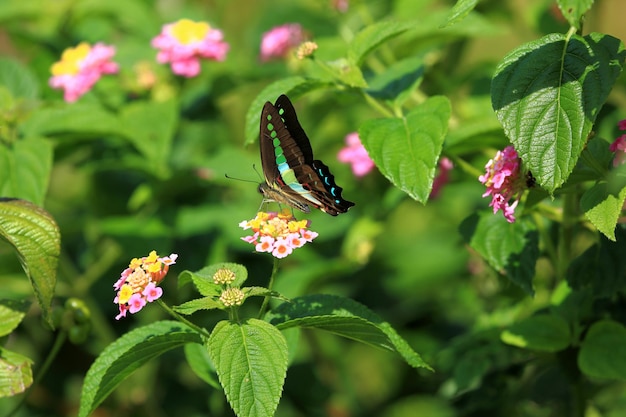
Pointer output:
291, 174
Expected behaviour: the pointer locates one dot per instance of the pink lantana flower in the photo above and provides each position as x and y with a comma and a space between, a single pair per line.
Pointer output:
80, 68
277, 233
619, 147
137, 285
504, 182
443, 176
278, 41
354, 153
183, 43
621, 124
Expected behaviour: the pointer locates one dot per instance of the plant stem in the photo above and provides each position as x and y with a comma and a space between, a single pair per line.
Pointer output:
266, 300
61, 336
180, 318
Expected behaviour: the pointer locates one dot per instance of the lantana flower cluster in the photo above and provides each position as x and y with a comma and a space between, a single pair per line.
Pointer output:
278, 41
81, 67
138, 284
619, 146
504, 182
277, 233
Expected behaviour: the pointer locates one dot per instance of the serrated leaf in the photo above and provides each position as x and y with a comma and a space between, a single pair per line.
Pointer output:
602, 267
150, 126
124, 356
16, 373
200, 363
398, 81
374, 35
510, 248
601, 353
602, 208
25, 168
11, 314
35, 236
293, 87
88, 120
547, 94
347, 318
406, 150
251, 362
573, 10
460, 10
205, 303
543, 332
18, 79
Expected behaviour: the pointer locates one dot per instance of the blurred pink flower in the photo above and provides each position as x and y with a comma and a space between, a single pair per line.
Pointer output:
442, 178
621, 124
80, 68
340, 5
278, 41
183, 43
619, 147
354, 153
504, 182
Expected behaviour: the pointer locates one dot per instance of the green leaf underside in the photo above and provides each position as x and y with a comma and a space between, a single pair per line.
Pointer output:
347, 318
127, 354
543, 332
204, 303
16, 373
602, 207
251, 362
547, 94
35, 236
509, 248
406, 150
11, 314
602, 353
460, 10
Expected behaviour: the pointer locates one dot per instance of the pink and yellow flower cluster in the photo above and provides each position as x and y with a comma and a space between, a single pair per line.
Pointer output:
504, 182
277, 233
137, 285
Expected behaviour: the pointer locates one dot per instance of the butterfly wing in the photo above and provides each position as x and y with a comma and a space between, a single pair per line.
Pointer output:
291, 174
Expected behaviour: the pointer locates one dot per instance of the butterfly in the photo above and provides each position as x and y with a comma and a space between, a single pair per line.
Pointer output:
291, 174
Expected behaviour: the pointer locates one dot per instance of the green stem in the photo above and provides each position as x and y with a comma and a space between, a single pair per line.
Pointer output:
566, 233
266, 300
180, 318
61, 336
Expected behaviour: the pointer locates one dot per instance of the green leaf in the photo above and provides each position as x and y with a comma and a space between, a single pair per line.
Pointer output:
200, 363
35, 236
251, 363
16, 373
205, 303
602, 353
121, 358
293, 87
601, 268
25, 168
602, 207
86, 120
347, 318
398, 81
547, 94
11, 314
150, 126
18, 79
374, 35
406, 150
542, 332
573, 10
346, 72
203, 279
460, 10
510, 248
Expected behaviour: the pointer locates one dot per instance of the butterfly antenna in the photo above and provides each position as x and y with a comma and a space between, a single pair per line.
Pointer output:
239, 179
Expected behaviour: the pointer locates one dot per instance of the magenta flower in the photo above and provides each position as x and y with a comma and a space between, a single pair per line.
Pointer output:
442, 178
354, 153
621, 124
504, 182
80, 68
138, 283
277, 233
183, 43
278, 41
619, 147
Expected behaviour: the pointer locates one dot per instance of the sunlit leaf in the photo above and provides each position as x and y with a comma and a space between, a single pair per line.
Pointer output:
25, 168
543, 332
16, 373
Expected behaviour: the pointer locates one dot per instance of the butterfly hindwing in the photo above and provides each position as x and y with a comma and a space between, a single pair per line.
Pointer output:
291, 174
